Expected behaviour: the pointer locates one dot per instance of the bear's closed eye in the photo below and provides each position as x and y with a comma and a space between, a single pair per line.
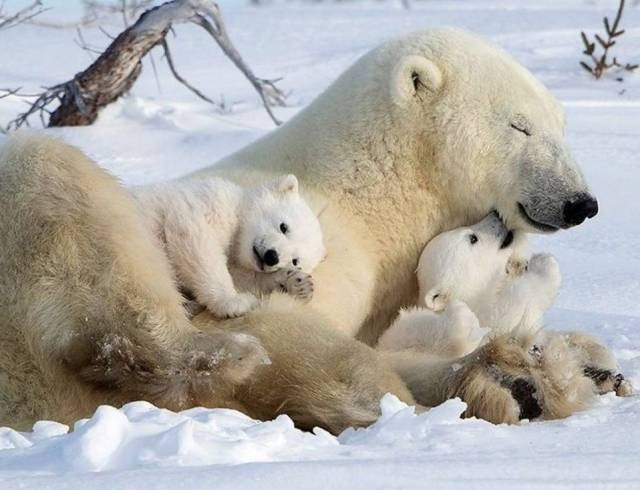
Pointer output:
521, 129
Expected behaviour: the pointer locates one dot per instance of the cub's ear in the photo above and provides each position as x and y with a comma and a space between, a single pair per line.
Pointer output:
412, 76
436, 299
287, 184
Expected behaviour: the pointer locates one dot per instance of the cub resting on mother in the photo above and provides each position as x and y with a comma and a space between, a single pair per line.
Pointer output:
423, 134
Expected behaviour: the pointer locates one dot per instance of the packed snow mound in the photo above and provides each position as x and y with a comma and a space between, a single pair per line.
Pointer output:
141, 444
140, 435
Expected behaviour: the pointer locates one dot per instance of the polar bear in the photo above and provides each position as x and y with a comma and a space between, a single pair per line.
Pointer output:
475, 282
483, 265
423, 134
268, 229
477, 276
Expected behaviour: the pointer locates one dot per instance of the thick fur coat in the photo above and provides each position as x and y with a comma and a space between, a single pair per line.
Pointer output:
423, 134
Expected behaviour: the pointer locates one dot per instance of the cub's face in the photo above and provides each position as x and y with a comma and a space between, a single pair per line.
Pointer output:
279, 230
464, 263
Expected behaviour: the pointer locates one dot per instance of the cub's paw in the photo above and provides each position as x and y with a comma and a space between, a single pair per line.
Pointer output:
235, 306
516, 266
298, 284
544, 264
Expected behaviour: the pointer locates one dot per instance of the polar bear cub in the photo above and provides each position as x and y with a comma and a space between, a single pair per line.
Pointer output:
473, 281
483, 266
206, 225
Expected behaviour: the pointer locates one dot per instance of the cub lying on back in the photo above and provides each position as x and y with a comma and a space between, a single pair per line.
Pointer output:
473, 283
207, 224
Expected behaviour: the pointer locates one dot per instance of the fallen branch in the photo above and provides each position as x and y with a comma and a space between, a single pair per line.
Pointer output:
172, 67
601, 63
115, 71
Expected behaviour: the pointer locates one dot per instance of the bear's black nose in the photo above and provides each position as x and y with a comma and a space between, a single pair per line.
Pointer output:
575, 212
271, 257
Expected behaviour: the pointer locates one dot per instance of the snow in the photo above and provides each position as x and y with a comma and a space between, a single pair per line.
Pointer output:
161, 131
140, 443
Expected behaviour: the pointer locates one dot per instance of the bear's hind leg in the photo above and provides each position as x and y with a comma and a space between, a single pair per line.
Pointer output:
317, 375
88, 292
504, 381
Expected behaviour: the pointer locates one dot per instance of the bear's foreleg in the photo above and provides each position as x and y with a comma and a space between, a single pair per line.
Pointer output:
528, 294
198, 256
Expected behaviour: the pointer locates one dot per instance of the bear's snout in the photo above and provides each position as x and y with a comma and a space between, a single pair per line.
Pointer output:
271, 257
576, 211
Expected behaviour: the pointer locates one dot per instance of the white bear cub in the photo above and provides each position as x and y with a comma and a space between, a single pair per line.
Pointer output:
210, 224
473, 281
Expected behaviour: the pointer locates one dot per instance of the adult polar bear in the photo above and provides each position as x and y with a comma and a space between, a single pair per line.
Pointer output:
423, 134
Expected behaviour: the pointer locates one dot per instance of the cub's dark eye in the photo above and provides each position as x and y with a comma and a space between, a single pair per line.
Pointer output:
284, 228
521, 129
473, 239
295, 261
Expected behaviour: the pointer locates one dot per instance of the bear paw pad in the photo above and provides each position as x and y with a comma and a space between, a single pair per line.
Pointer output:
298, 284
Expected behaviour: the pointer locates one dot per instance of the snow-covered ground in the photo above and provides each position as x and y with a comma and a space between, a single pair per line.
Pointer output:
162, 131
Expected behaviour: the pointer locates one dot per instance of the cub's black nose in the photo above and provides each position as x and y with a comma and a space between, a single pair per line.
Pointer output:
271, 257
575, 212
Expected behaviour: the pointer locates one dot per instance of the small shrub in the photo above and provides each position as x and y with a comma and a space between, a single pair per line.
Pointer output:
599, 63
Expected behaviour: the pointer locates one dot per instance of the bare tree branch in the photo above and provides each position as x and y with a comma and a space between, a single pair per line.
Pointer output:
27, 13
115, 71
128, 9
177, 76
6, 92
82, 44
269, 93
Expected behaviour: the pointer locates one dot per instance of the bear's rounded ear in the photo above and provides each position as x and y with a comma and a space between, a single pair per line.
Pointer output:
287, 184
414, 75
436, 299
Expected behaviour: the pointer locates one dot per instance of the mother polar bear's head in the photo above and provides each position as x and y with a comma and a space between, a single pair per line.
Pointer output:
496, 132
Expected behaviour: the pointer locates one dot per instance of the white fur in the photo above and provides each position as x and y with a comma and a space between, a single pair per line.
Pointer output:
399, 160
454, 332
506, 292
204, 225
468, 269
391, 161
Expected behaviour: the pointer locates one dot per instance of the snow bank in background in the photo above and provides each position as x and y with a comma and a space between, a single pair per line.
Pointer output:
141, 435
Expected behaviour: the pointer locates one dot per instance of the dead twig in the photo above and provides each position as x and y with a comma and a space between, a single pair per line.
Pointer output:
600, 63
23, 15
172, 67
127, 9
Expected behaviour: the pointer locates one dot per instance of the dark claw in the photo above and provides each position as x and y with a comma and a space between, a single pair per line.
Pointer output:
598, 375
